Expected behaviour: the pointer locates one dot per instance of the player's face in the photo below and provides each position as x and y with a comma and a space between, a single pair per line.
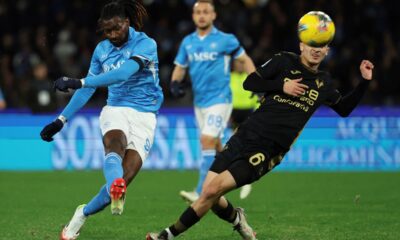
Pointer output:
116, 30
313, 55
203, 15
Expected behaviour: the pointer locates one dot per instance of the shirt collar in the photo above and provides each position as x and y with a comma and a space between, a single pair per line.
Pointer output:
214, 30
131, 35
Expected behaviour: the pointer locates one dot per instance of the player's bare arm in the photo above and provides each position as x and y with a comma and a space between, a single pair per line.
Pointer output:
178, 73
247, 63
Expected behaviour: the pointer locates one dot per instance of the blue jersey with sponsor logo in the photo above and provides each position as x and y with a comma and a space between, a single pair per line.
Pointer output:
142, 91
208, 59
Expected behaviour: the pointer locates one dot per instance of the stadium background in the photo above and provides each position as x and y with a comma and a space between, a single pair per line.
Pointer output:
44, 39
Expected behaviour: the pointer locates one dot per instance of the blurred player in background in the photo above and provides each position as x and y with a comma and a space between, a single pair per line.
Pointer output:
126, 61
207, 54
293, 89
244, 102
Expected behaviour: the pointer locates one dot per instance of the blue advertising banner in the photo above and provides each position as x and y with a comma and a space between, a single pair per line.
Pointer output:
368, 140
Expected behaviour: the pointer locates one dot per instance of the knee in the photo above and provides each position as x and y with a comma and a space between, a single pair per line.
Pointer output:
115, 145
208, 142
211, 192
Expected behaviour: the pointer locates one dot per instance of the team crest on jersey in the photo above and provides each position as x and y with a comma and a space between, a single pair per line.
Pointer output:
213, 45
127, 54
319, 83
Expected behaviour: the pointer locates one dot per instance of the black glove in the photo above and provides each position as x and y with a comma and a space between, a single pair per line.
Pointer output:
176, 89
51, 129
65, 83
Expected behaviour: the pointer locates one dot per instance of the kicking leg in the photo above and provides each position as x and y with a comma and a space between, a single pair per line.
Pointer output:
115, 144
131, 165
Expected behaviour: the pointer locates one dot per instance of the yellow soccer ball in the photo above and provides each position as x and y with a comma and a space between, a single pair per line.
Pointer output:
316, 29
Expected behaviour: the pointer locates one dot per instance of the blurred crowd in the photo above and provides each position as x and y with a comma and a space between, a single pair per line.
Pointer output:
43, 39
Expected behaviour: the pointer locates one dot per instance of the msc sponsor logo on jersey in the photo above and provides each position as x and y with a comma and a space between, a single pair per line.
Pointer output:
203, 56
109, 67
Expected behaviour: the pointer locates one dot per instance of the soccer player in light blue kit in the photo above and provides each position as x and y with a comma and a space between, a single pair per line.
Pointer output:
126, 61
207, 53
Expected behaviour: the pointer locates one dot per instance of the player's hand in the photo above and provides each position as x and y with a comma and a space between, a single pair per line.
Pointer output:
50, 130
176, 89
63, 84
293, 87
366, 68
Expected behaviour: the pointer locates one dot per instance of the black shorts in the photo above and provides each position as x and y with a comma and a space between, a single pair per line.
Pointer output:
247, 157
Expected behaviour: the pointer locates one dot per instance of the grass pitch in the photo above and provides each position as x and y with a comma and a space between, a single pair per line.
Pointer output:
282, 206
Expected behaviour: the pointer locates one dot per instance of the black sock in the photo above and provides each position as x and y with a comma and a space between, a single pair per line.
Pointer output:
228, 214
173, 230
187, 220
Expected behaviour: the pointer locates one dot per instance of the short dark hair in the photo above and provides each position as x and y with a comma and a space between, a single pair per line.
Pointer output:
131, 9
206, 1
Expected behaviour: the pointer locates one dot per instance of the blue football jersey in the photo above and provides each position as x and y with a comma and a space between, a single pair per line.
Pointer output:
209, 59
142, 91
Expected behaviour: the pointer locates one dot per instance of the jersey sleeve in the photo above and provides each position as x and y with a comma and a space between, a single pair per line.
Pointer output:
264, 78
233, 46
271, 68
146, 51
95, 64
181, 58
333, 96
346, 104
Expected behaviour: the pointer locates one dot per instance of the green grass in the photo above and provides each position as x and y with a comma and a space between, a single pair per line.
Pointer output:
282, 206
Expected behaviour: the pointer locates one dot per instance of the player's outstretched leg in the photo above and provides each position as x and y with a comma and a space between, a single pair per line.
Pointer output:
71, 230
117, 193
210, 198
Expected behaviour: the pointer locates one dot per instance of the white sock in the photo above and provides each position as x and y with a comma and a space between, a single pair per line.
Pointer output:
237, 219
170, 235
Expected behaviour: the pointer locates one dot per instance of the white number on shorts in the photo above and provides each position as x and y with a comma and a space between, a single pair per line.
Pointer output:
215, 120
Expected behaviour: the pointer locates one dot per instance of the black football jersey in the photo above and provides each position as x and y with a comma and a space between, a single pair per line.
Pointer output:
282, 117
